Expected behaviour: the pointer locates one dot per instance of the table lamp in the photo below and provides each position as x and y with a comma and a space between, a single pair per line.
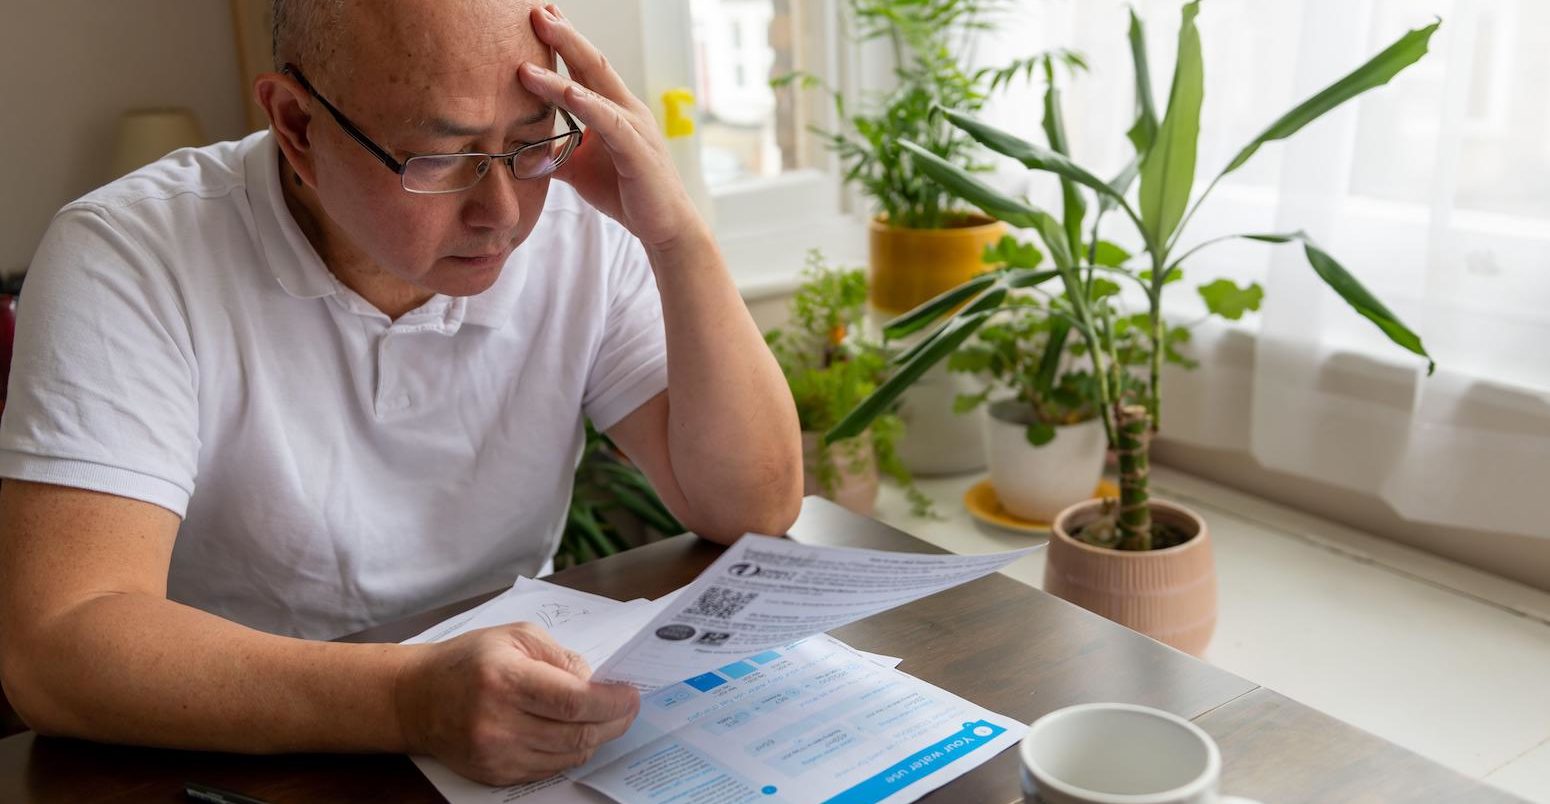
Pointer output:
146, 135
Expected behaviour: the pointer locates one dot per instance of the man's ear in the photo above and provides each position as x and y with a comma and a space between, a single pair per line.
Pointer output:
289, 107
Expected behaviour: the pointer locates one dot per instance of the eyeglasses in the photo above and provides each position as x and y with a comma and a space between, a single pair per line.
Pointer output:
435, 174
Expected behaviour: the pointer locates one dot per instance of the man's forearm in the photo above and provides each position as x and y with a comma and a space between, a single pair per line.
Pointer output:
141, 669
732, 429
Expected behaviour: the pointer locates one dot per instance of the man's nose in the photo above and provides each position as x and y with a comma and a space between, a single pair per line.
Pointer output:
493, 203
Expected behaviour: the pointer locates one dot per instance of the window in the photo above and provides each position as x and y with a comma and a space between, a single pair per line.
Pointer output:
749, 131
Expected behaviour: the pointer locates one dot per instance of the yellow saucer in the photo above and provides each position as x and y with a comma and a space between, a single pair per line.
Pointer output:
981, 501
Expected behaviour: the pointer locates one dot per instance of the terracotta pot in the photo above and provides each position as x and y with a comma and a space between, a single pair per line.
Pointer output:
910, 266
1037, 483
855, 466
1168, 595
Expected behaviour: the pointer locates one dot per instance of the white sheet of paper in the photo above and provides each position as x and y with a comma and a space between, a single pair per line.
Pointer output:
764, 592
815, 721
761, 596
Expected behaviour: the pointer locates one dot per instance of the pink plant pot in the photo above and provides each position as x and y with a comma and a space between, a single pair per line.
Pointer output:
855, 467
1168, 595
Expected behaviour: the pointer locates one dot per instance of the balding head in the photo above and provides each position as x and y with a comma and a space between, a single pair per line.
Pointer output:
304, 30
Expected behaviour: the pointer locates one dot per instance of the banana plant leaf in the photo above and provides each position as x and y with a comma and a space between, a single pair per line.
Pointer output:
1354, 293
939, 347
1407, 50
1168, 171
1030, 155
1145, 129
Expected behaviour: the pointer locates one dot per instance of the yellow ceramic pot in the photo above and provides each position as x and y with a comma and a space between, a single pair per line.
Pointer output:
910, 266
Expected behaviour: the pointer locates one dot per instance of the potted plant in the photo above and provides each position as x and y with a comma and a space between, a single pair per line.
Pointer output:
1043, 437
922, 239
830, 368
1143, 562
612, 508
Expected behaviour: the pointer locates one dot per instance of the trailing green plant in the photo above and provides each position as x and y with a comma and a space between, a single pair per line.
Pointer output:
1159, 210
831, 368
608, 488
926, 38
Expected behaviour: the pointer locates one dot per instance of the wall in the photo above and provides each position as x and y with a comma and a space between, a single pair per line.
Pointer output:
68, 68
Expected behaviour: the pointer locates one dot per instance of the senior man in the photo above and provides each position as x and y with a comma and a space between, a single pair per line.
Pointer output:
273, 391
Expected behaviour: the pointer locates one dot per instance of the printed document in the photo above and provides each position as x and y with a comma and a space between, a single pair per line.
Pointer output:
743, 700
763, 592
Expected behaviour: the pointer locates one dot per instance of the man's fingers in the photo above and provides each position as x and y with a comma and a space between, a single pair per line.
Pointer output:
587, 64
603, 117
552, 736
536, 643
556, 694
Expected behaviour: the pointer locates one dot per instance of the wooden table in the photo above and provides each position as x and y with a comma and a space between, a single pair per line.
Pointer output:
996, 642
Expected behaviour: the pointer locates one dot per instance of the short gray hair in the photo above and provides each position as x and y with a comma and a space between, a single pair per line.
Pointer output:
304, 29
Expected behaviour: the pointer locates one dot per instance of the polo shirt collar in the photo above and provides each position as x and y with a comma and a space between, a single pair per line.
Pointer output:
288, 253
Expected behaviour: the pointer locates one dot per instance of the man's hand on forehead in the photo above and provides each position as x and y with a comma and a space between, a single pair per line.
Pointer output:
622, 167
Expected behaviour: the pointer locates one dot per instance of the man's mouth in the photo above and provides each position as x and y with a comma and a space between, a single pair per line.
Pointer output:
481, 260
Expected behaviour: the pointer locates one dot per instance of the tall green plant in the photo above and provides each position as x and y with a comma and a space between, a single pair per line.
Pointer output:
927, 38
1165, 157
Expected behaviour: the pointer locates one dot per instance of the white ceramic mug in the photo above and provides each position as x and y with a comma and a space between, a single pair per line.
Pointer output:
1111, 753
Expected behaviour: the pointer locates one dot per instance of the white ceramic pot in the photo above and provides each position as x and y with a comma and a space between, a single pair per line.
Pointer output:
1036, 483
936, 440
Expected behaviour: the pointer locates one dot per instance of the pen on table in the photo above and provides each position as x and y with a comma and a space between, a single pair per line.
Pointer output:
215, 795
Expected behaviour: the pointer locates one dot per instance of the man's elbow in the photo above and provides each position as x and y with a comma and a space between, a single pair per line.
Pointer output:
769, 508
25, 696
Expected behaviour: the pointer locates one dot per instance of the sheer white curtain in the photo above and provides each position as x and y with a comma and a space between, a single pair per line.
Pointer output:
1434, 191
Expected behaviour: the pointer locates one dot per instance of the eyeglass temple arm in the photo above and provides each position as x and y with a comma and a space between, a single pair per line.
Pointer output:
344, 122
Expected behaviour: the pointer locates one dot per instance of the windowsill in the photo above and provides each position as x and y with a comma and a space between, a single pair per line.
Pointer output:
1304, 600
768, 264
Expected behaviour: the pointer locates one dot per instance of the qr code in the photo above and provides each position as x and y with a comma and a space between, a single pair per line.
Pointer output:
721, 603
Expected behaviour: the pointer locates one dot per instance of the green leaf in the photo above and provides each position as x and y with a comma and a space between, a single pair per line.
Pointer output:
1168, 171
1224, 298
1039, 434
1073, 206
1021, 280
929, 311
1407, 50
941, 345
961, 183
1013, 253
1102, 289
1120, 185
1355, 294
1030, 155
1049, 362
1110, 255
1145, 129
964, 403
1173, 275
986, 302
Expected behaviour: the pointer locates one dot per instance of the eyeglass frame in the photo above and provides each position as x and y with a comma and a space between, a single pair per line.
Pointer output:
399, 168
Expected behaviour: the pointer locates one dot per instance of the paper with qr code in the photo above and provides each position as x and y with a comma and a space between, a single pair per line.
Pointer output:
765, 592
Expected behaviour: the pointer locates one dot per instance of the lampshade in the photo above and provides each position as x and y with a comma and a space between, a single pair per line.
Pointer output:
146, 135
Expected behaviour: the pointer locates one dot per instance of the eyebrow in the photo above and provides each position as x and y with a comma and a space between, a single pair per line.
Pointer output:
452, 128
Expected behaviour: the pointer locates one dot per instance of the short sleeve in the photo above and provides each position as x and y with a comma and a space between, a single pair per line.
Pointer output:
630, 365
103, 385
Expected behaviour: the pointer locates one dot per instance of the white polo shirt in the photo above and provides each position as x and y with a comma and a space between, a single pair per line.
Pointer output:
180, 342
